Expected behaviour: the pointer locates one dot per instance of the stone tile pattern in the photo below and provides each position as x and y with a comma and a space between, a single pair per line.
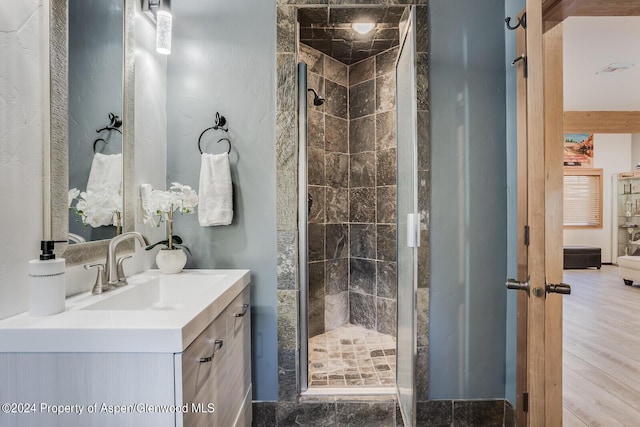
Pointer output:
372, 192
328, 182
352, 356
381, 412
286, 176
424, 193
287, 206
329, 31
352, 182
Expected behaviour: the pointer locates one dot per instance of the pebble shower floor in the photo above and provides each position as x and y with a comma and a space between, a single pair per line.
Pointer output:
352, 356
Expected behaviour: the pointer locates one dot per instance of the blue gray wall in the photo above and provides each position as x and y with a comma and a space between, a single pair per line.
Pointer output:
95, 90
511, 8
469, 200
223, 59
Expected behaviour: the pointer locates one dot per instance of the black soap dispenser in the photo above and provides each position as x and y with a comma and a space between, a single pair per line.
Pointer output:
47, 282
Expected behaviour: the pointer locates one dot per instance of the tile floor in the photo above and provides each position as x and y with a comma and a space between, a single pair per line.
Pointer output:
352, 356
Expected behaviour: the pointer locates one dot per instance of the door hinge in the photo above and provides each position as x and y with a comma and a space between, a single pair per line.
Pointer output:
525, 401
526, 235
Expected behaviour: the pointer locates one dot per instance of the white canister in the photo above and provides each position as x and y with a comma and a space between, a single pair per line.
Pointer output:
46, 284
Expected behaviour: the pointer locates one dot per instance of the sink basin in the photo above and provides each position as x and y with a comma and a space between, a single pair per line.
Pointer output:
155, 313
160, 292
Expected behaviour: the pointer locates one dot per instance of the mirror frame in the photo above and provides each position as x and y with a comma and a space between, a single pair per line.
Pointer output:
56, 147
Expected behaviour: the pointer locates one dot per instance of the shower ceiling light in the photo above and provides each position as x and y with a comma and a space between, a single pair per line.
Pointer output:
362, 27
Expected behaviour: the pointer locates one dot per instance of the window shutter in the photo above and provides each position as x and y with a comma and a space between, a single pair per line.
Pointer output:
583, 198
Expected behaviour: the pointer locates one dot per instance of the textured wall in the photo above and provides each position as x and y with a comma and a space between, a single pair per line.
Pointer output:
23, 88
223, 60
151, 126
24, 91
469, 208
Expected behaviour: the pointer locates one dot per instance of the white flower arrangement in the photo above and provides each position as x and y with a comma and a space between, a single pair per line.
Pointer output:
161, 205
97, 208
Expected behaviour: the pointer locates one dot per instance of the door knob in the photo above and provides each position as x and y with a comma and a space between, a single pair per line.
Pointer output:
560, 288
517, 285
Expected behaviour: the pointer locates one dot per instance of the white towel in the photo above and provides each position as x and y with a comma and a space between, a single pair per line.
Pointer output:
215, 205
106, 172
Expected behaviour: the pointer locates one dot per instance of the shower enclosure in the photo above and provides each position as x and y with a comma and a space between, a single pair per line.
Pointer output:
348, 193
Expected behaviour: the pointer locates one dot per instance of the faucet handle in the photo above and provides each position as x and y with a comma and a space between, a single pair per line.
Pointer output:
122, 279
101, 279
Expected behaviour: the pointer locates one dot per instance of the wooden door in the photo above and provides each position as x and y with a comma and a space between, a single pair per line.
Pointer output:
539, 91
540, 129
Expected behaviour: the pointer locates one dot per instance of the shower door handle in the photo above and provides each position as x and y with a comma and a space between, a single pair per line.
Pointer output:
309, 202
413, 230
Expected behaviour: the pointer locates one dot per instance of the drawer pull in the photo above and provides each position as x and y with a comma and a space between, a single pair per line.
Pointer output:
245, 307
217, 345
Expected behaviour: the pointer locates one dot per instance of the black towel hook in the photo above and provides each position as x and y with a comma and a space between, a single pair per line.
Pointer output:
520, 22
219, 124
114, 123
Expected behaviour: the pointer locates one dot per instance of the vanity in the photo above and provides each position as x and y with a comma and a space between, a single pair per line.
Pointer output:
165, 350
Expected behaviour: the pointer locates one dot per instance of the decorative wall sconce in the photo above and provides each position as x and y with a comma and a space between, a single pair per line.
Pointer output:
160, 13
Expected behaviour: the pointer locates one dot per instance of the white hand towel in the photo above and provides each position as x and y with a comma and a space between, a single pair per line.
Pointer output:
106, 172
215, 205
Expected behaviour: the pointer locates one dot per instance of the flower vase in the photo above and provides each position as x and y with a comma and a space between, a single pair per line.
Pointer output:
171, 261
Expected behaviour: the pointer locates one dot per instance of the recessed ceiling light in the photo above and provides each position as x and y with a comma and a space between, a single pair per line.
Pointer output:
616, 67
362, 27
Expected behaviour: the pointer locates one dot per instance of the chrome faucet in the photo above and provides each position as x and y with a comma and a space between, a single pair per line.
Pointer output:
113, 278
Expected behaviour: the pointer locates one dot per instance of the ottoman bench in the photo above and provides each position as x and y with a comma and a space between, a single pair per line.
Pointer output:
582, 257
629, 269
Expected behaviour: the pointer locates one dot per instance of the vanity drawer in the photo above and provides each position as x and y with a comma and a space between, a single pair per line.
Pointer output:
204, 368
238, 317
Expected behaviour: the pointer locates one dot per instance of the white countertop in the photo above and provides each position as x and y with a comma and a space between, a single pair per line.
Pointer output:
162, 329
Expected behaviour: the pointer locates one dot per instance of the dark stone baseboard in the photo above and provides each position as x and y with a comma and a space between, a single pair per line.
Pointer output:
493, 412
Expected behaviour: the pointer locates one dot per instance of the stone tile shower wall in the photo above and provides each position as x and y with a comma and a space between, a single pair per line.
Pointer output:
287, 204
352, 182
328, 183
290, 409
372, 191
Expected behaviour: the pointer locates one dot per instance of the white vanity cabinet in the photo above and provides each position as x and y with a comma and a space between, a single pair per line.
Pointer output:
214, 372
238, 319
127, 374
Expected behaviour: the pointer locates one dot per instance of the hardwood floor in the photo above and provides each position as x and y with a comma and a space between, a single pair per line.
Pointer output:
601, 349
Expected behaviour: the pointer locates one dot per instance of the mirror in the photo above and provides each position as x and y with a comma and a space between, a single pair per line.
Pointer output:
95, 107
64, 138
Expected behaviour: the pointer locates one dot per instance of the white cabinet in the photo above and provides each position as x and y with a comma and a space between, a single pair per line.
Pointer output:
238, 319
209, 384
214, 372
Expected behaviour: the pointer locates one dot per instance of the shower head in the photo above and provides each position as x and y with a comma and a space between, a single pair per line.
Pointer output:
317, 99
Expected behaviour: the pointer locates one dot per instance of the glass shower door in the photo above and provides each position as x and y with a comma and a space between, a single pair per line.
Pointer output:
408, 220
